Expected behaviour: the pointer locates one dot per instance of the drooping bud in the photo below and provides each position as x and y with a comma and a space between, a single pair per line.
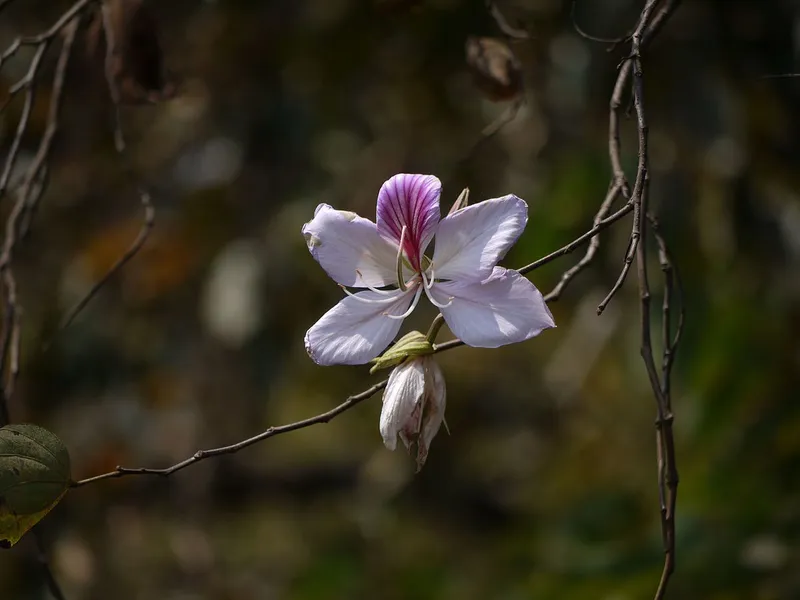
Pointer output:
410, 345
413, 405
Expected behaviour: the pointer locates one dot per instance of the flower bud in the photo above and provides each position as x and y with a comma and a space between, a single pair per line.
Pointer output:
413, 405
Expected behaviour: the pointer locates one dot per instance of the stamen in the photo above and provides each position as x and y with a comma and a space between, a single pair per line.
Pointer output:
410, 309
400, 283
461, 202
428, 285
360, 298
370, 288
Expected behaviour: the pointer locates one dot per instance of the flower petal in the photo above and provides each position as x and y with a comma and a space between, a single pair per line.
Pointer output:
345, 245
411, 201
357, 329
504, 309
433, 411
403, 394
471, 241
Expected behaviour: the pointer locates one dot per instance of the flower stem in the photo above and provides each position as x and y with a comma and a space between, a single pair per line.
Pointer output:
436, 325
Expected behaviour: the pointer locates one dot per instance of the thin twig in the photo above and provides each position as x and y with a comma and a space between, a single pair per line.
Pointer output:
30, 191
672, 285
112, 51
579, 241
44, 562
614, 144
28, 84
234, 448
503, 25
593, 38
27, 196
591, 251
665, 444
141, 238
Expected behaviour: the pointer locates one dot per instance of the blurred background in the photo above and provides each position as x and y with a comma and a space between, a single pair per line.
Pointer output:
546, 487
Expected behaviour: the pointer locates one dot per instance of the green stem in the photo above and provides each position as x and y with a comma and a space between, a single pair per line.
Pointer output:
436, 325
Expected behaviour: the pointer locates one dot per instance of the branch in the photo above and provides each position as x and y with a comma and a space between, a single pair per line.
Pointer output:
234, 448
665, 444
591, 251
44, 562
113, 88
503, 24
27, 197
579, 241
133, 250
593, 38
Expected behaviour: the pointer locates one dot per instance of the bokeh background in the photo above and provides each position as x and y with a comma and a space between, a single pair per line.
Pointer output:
546, 487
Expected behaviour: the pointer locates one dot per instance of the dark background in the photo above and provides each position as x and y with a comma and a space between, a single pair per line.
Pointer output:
546, 487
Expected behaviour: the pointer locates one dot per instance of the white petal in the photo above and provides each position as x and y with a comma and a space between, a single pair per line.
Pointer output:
504, 309
404, 391
433, 412
354, 332
471, 241
345, 244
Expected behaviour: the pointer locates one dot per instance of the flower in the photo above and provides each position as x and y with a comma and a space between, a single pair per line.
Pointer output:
413, 405
485, 305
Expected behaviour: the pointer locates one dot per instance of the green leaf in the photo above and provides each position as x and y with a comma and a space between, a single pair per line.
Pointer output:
34, 476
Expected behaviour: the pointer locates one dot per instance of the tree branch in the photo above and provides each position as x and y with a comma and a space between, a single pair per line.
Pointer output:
234, 448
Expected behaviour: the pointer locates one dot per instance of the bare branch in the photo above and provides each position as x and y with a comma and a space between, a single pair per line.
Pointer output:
44, 562
593, 38
234, 448
591, 251
579, 241
113, 87
133, 250
503, 24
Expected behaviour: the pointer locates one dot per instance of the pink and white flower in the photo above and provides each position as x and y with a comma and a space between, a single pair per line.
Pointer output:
485, 305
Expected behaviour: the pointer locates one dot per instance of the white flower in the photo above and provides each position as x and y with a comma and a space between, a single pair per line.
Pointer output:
413, 405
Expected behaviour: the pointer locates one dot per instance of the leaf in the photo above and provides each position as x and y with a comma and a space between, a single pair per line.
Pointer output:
34, 476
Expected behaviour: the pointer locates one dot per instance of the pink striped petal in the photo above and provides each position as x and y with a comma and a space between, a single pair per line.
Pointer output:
410, 201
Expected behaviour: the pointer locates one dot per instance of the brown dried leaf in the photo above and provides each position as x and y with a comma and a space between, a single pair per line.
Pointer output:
135, 66
495, 69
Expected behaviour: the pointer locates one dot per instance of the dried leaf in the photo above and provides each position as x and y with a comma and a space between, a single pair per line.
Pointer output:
135, 66
495, 69
34, 476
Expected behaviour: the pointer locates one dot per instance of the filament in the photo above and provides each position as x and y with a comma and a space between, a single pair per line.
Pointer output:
428, 285
400, 283
361, 298
410, 308
370, 288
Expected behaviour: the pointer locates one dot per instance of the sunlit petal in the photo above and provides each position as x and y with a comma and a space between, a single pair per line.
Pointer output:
504, 309
357, 329
433, 412
403, 394
471, 241
350, 249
